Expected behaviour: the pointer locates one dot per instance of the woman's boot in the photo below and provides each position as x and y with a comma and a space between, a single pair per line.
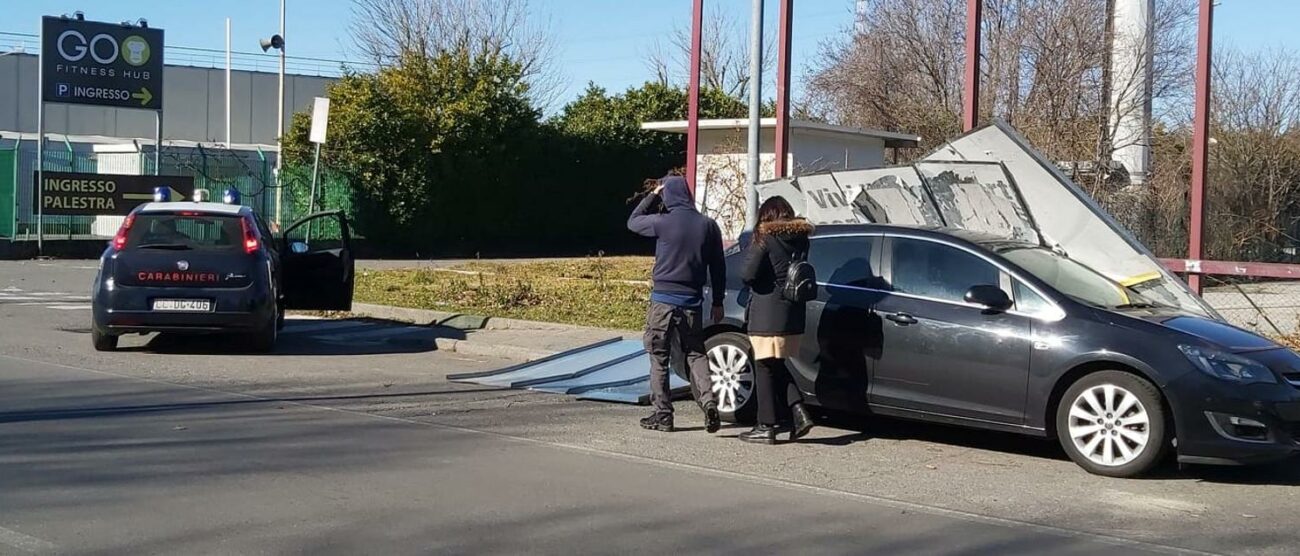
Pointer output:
803, 421
761, 434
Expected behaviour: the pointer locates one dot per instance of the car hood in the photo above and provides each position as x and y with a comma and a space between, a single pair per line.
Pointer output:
1229, 337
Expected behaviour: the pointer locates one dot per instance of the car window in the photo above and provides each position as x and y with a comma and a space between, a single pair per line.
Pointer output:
267, 237
939, 271
184, 231
1070, 277
844, 261
1029, 302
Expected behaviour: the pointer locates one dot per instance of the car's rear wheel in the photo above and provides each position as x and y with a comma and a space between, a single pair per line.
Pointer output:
102, 341
263, 341
731, 370
1112, 423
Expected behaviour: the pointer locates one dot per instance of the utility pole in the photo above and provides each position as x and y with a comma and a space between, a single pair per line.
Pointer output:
755, 115
279, 132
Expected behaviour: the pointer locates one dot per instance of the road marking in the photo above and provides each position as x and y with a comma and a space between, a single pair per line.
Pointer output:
736, 475
25, 543
63, 301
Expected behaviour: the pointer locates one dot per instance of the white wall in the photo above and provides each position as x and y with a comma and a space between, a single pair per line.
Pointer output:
723, 164
818, 152
194, 105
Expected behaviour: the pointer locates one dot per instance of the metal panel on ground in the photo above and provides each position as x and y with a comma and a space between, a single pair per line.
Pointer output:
612, 370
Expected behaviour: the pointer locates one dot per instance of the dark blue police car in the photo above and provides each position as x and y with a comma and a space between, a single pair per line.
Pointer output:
202, 267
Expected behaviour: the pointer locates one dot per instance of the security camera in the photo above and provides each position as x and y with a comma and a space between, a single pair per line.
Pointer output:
143, 23
79, 15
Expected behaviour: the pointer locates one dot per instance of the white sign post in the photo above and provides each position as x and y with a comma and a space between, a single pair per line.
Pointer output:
320, 116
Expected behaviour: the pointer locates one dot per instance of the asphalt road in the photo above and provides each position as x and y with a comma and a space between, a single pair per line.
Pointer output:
349, 439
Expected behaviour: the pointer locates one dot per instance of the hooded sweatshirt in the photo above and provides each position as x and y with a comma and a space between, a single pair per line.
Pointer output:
689, 248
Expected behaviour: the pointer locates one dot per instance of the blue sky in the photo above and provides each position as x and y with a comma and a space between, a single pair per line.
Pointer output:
604, 41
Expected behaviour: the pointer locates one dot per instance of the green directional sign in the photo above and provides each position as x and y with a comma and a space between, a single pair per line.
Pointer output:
143, 96
73, 193
103, 64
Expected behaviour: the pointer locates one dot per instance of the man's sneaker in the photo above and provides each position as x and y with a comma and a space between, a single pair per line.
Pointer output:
712, 421
658, 422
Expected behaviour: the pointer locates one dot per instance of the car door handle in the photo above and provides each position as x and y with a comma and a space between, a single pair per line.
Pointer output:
901, 318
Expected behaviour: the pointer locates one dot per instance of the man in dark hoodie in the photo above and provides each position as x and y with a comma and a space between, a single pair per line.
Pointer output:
688, 250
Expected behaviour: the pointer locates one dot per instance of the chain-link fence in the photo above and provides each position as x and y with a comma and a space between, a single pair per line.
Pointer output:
248, 169
1269, 306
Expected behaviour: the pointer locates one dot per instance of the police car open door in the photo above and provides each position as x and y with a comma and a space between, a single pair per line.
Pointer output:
316, 263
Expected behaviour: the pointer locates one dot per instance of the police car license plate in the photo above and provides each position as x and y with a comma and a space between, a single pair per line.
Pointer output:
182, 305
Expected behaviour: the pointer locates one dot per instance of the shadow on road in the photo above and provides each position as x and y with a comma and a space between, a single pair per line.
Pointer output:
124, 410
1283, 473
307, 337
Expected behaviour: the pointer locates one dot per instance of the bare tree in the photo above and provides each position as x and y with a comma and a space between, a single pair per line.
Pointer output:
724, 62
384, 30
1043, 66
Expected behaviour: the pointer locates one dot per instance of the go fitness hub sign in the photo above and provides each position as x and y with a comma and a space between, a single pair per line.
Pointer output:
103, 64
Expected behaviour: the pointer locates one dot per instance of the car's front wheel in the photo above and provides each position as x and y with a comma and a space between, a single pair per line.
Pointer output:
1112, 423
731, 371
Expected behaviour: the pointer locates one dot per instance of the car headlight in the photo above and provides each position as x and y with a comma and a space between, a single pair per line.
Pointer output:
1229, 367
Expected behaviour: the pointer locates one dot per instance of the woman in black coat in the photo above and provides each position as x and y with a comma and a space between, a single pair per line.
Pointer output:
775, 323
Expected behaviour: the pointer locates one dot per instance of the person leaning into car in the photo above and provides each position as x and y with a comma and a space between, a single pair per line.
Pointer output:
775, 323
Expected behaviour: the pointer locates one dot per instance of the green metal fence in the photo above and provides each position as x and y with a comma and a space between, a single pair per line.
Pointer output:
8, 180
251, 172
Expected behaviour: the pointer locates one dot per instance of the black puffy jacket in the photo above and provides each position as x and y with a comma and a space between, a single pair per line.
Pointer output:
766, 263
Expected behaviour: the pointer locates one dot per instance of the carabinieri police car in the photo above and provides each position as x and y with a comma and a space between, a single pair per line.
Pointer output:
204, 267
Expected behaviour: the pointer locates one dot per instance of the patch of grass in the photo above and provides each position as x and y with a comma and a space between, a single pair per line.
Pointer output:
590, 268
598, 291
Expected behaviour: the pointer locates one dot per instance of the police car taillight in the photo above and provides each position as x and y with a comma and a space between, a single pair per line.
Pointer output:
119, 240
251, 241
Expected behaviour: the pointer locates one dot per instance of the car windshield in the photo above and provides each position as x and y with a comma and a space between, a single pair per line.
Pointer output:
1073, 278
183, 231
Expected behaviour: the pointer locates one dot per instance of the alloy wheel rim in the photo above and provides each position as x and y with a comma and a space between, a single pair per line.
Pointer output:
1109, 425
731, 376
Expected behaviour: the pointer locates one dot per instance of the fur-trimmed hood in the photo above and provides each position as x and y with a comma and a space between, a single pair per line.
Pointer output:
795, 227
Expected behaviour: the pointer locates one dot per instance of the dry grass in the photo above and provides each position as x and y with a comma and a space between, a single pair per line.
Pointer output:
604, 292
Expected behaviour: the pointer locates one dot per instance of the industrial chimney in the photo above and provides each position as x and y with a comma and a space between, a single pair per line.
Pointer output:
860, 8
1132, 55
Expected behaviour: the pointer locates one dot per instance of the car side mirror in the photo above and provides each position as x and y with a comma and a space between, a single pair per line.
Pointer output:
989, 297
298, 247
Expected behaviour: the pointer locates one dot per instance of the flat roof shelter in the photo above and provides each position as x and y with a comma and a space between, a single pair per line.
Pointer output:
721, 168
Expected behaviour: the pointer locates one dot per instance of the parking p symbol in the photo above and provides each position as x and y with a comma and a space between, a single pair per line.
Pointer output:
62, 89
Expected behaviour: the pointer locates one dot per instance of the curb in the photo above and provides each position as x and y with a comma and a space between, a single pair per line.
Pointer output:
468, 324
481, 349
462, 321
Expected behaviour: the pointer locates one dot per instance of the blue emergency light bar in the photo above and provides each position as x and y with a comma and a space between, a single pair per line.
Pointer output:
162, 194
230, 196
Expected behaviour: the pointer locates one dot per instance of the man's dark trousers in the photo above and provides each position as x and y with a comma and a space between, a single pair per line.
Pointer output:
665, 322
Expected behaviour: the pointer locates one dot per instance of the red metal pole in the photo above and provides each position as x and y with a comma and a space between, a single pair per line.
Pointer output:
1200, 140
693, 97
971, 98
783, 38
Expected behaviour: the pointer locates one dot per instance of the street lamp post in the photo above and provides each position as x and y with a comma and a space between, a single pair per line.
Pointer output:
277, 42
